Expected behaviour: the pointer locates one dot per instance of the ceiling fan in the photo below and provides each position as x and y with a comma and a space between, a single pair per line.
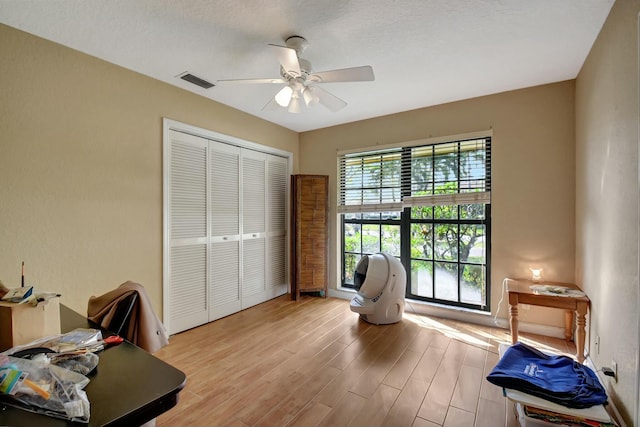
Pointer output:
301, 84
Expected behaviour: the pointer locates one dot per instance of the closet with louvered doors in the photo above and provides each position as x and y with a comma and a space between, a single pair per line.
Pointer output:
226, 228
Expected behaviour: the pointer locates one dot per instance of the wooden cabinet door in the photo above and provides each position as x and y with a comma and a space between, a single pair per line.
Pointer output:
310, 201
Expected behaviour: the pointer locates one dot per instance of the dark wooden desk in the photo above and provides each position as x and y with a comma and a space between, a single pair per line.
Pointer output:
519, 292
129, 388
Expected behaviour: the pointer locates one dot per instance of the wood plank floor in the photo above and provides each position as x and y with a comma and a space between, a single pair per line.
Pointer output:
314, 363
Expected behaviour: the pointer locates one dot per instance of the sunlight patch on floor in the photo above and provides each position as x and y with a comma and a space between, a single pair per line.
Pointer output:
449, 331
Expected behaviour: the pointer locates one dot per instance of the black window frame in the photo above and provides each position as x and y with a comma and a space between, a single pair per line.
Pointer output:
405, 223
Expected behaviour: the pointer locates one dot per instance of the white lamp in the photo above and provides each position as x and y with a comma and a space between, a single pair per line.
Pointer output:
536, 274
310, 98
283, 98
294, 105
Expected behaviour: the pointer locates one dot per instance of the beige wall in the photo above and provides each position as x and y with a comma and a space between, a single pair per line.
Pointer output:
533, 176
81, 176
607, 197
81, 167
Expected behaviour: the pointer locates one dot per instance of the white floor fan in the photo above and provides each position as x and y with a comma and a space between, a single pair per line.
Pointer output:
301, 83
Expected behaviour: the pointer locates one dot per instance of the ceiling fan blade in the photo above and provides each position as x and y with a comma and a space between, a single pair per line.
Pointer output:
271, 105
355, 74
253, 81
329, 100
288, 59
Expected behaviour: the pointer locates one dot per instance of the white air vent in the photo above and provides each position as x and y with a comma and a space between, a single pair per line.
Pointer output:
198, 81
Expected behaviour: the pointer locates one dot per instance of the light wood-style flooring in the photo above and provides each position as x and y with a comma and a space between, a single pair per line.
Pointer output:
315, 363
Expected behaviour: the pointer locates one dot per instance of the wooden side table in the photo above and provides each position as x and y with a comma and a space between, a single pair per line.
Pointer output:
520, 292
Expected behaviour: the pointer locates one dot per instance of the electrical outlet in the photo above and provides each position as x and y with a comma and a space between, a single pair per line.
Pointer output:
614, 366
597, 344
525, 306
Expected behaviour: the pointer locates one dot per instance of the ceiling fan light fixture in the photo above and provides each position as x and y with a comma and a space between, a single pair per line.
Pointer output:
310, 98
296, 73
294, 105
283, 97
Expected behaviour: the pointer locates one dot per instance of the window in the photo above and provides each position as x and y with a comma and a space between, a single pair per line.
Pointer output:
428, 205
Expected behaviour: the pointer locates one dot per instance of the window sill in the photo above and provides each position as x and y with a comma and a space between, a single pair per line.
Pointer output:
430, 309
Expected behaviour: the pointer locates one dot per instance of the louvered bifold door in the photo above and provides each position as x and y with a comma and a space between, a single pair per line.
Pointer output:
276, 265
253, 228
224, 261
187, 220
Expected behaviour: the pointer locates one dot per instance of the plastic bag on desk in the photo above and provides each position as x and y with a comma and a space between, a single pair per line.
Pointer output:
77, 339
38, 386
81, 363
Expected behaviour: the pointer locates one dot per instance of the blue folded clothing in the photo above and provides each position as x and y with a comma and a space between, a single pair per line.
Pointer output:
559, 379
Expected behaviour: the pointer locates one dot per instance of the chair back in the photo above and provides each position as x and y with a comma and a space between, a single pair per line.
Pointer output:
120, 320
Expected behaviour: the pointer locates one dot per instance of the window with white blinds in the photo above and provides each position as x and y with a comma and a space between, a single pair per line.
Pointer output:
448, 173
428, 204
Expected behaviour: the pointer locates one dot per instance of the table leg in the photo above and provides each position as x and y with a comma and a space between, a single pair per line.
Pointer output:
581, 312
568, 324
513, 317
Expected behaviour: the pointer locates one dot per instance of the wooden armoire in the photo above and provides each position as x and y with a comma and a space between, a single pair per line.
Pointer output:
309, 234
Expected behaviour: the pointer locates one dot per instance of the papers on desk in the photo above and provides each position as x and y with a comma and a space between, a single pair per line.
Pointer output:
77, 341
18, 295
556, 291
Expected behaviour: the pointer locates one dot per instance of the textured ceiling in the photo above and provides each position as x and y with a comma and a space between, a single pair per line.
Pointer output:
423, 52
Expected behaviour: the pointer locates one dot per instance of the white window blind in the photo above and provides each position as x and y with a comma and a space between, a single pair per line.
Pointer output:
447, 173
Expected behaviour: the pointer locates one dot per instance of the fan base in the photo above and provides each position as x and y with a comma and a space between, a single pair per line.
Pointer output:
297, 43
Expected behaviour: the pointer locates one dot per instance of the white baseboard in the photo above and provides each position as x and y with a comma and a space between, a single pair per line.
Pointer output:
342, 294
463, 315
534, 328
